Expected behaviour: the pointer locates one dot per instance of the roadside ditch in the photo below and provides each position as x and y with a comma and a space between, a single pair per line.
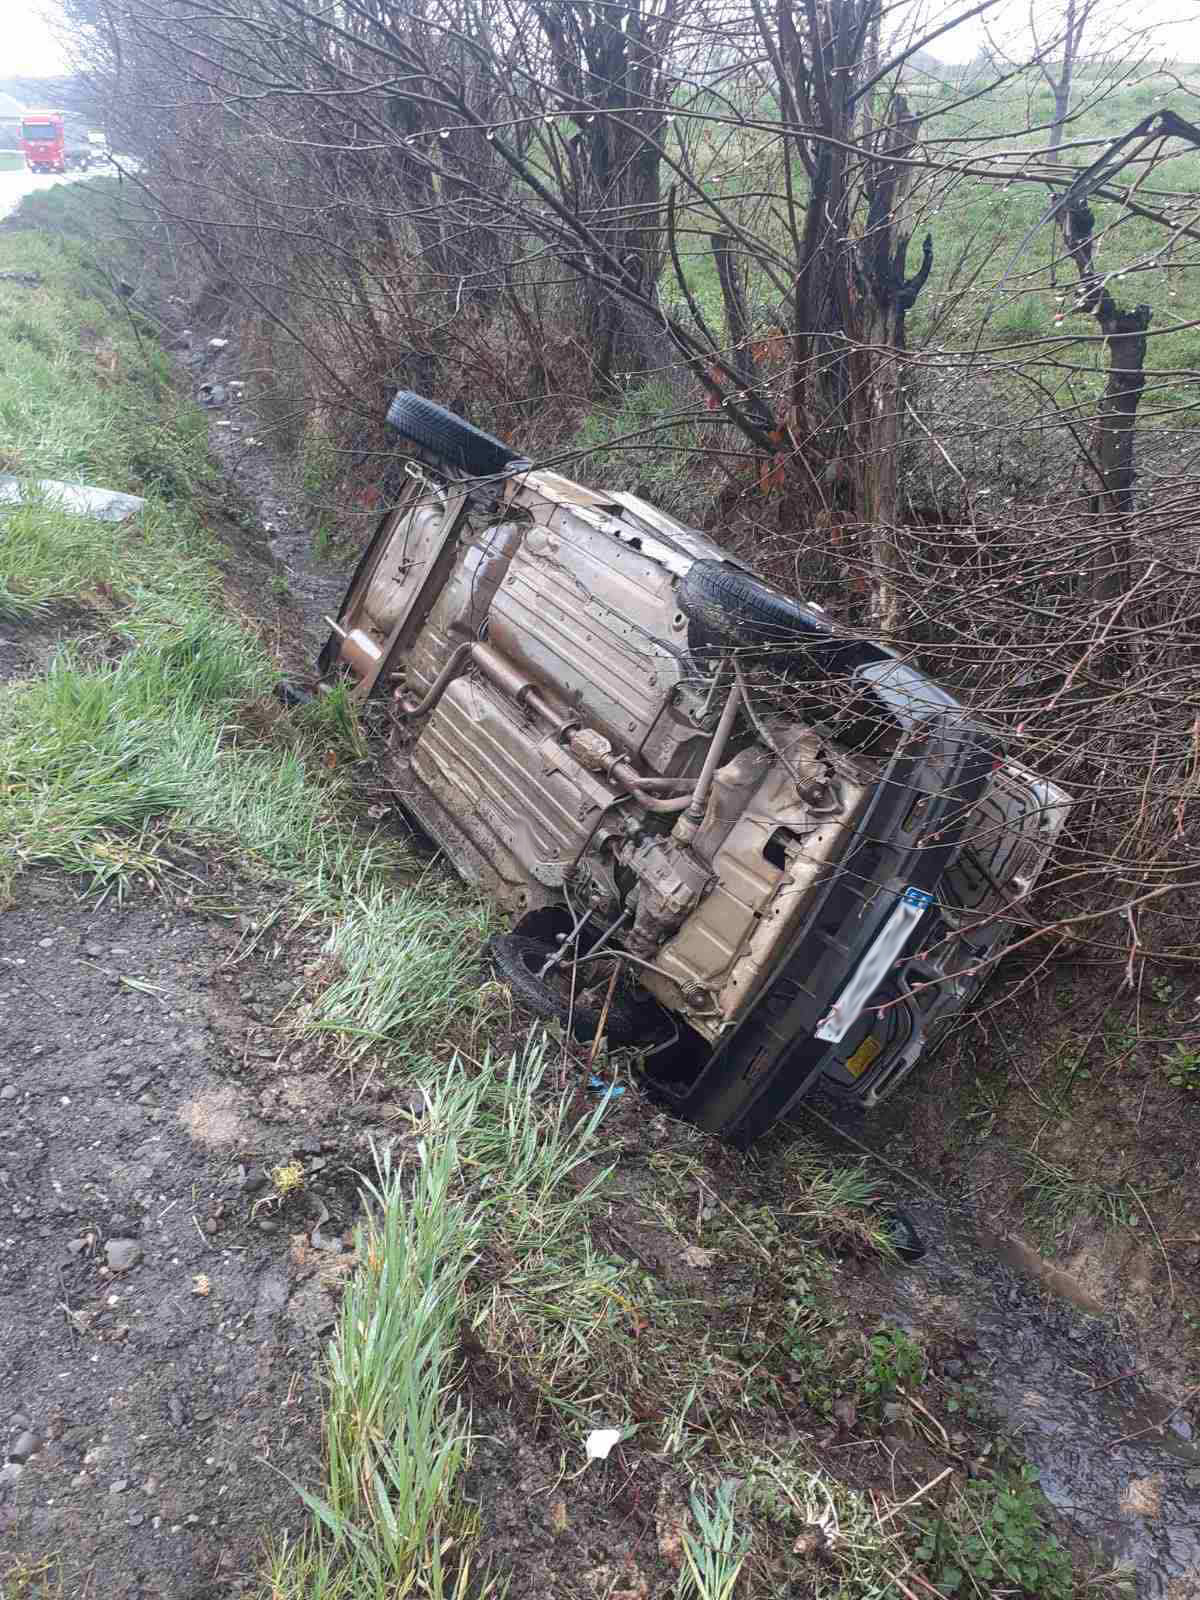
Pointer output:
183, 1130
1106, 1419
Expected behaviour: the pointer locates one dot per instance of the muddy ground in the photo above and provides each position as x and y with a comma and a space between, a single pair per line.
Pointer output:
163, 1304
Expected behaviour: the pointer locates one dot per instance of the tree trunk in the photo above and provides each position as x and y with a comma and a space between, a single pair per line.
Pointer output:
733, 297
1062, 105
878, 372
1061, 86
1113, 438
1113, 443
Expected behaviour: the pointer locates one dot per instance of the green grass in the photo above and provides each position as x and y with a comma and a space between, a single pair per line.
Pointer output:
390, 1519
976, 226
1058, 1200
716, 1553
405, 960
102, 763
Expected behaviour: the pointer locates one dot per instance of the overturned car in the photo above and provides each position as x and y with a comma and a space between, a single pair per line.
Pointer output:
768, 850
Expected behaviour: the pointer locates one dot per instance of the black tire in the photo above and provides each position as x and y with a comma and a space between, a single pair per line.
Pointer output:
518, 960
731, 609
448, 437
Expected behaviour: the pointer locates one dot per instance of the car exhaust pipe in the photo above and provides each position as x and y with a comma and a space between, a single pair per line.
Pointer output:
688, 826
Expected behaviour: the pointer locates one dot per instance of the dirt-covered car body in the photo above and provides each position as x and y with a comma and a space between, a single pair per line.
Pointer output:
626, 738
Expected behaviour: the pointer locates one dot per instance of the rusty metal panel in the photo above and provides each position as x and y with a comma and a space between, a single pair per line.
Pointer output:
730, 942
461, 610
586, 615
524, 801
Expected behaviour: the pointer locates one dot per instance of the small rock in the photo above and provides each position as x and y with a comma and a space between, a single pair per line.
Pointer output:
24, 1447
9, 1473
118, 1486
8, 1092
18, 1420
217, 344
150, 1487
93, 950
953, 1369
210, 1227
266, 1225
122, 1254
45, 944
812, 1541
135, 1519
75, 1246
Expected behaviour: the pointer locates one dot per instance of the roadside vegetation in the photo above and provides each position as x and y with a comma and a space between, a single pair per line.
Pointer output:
530, 1248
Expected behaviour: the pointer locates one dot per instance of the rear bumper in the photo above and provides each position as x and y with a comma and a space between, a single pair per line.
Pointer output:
902, 846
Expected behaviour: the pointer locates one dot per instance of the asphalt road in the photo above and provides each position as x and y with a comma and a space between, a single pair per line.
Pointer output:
15, 184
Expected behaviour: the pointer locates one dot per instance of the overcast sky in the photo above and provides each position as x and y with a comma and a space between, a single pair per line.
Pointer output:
33, 50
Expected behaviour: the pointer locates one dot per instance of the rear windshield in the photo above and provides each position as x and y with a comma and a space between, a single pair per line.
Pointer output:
38, 130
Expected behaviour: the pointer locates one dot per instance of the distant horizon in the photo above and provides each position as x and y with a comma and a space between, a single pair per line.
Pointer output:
1166, 35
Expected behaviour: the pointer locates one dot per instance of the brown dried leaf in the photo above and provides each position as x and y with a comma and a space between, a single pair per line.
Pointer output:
670, 1539
695, 1255
811, 1541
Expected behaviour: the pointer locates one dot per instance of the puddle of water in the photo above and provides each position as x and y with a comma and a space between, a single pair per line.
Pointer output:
1113, 1457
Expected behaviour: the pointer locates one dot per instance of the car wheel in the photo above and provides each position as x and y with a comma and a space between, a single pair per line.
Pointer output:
450, 438
518, 961
731, 608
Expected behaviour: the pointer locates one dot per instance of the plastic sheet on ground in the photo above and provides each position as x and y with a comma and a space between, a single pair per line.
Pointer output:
81, 499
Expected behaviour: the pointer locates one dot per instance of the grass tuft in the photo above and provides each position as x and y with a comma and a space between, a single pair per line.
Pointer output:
407, 969
715, 1554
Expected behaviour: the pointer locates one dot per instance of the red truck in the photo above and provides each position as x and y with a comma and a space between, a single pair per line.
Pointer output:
50, 145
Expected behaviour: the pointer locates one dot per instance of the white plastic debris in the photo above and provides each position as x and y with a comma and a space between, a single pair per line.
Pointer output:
600, 1441
217, 344
81, 499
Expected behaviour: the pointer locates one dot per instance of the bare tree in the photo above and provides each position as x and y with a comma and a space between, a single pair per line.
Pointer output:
1057, 60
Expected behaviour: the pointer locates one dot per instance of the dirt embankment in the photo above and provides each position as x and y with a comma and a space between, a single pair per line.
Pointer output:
1086, 1357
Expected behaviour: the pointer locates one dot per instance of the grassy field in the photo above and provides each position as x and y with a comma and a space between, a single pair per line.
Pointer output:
1000, 291
577, 1260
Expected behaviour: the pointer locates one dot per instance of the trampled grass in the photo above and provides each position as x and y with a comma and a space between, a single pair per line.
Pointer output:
390, 1519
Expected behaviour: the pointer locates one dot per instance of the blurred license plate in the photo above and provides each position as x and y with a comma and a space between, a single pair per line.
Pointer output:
863, 1056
